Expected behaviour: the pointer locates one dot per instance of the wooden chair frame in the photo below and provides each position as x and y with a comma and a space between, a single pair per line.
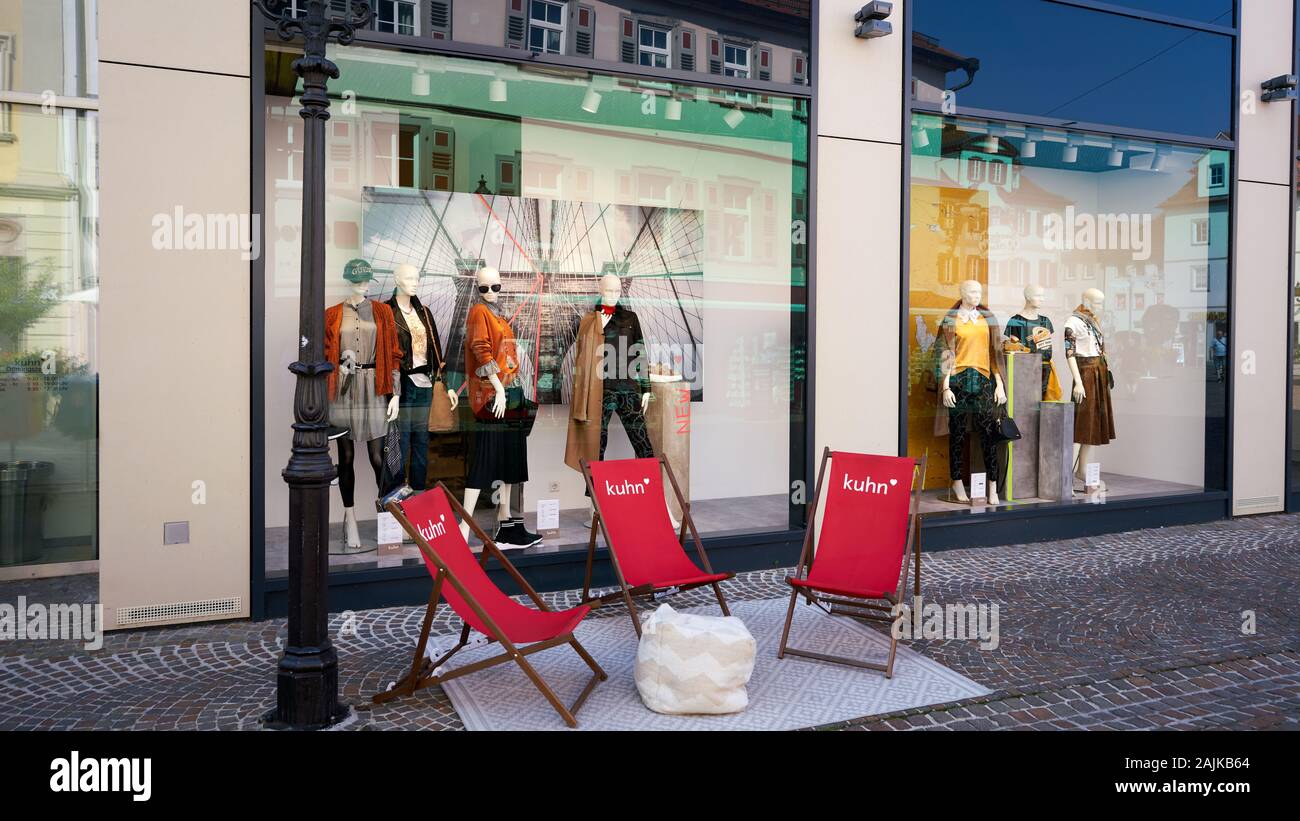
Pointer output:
854, 607
425, 673
624, 592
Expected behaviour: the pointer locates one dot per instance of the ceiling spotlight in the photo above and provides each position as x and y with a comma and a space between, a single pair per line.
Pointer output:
1029, 149
1157, 161
1070, 154
920, 137
1115, 158
497, 91
591, 100
673, 109
420, 83
734, 117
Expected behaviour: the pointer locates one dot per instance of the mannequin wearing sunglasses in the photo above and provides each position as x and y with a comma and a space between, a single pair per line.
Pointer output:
501, 445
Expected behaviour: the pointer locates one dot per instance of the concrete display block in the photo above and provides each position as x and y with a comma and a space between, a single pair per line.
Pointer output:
1024, 396
1056, 451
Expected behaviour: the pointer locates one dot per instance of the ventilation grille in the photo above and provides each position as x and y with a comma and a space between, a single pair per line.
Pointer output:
584, 43
686, 61
1259, 501
179, 611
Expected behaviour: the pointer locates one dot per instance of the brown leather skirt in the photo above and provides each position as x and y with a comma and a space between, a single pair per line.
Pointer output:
1094, 421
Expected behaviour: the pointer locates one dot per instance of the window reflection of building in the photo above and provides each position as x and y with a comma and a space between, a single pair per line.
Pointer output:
751, 39
546, 26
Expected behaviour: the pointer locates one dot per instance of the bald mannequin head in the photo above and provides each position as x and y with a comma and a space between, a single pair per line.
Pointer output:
1094, 300
611, 289
486, 278
407, 278
972, 293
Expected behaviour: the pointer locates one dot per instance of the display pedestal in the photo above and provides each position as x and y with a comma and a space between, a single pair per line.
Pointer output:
668, 421
1056, 451
1024, 399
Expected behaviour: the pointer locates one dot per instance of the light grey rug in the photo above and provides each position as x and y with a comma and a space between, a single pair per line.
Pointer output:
783, 694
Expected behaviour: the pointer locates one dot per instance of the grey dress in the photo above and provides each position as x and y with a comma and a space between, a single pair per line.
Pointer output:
357, 406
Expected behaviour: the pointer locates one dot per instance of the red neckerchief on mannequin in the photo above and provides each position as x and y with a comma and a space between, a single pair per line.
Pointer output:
608, 310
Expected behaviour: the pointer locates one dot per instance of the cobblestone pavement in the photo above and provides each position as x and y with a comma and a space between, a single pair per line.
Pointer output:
1131, 631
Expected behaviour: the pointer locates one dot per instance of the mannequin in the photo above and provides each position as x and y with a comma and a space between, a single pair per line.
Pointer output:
972, 384
1085, 350
501, 446
364, 390
610, 375
1034, 331
422, 360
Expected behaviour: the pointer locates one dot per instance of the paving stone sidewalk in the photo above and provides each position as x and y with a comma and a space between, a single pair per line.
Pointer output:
1138, 630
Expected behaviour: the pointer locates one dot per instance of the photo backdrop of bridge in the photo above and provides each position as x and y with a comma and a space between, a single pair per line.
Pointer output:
551, 255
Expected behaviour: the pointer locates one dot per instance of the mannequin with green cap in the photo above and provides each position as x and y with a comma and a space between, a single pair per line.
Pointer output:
364, 387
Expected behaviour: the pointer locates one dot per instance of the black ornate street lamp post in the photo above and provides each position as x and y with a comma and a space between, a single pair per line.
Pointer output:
307, 682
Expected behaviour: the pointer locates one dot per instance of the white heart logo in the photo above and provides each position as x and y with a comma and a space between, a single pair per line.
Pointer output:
893, 481
646, 480
442, 517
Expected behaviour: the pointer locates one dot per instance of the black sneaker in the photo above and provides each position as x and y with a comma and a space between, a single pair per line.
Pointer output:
527, 535
513, 536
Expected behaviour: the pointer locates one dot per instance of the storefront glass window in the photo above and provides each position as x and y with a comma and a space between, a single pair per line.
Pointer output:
689, 200
1040, 259
49, 297
1025, 56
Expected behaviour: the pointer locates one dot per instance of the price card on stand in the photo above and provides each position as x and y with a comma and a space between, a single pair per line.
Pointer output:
978, 487
1092, 474
548, 517
389, 537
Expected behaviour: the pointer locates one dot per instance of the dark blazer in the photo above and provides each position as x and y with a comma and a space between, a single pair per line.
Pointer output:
625, 339
435, 361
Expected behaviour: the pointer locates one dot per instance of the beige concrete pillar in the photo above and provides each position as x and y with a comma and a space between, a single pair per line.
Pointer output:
1261, 285
174, 395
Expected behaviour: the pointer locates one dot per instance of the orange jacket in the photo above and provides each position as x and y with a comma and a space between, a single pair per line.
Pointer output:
388, 354
488, 338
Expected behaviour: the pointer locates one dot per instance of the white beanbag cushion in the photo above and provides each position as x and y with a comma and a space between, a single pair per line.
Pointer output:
693, 664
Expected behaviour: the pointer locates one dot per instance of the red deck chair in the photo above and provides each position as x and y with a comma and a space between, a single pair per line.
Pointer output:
648, 556
861, 556
462, 580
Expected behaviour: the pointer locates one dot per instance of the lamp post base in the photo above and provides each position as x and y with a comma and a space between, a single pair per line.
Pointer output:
305, 683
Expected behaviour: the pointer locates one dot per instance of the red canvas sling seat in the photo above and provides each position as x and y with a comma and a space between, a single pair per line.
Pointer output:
646, 553
461, 578
859, 565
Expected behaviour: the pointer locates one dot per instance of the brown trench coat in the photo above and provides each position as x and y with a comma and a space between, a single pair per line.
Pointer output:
588, 394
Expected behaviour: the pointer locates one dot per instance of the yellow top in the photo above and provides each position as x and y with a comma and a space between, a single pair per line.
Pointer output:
973, 345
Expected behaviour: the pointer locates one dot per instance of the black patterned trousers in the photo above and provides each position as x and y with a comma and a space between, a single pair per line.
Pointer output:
624, 398
975, 402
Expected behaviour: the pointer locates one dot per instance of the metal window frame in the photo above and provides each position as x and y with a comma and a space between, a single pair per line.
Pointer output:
546, 25
417, 9
1291, 485
359, 585
911, 106
749, 59
666, 52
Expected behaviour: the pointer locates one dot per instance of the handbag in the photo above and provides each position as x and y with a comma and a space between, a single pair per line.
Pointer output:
1007, 430
442, 418
393, 474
